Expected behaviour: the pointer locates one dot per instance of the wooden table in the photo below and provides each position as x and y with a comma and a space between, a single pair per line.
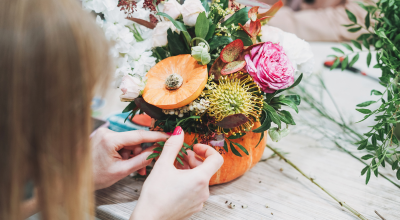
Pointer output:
273, 189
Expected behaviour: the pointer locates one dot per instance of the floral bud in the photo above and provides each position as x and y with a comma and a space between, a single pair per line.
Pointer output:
274, 134
200, 53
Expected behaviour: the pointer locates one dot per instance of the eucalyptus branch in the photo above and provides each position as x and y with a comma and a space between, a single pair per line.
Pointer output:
341, 203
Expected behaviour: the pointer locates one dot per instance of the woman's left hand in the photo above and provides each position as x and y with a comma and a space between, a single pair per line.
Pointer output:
111, 151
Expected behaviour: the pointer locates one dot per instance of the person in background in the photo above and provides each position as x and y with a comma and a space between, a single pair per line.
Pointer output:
317, 20
53, 57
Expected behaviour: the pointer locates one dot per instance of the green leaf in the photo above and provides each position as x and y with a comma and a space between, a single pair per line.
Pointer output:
184, 151
201, 27
356, 44
294, 98
205, 5
378, 44
180, 154
179, 160
395, 165
375, 92
226, 146
241, 148
298, 80
364, 110
242, 36
354, 60
217, 41
129, 107
240, 17
337, 50
364, 170
345, 62
347, 46
369, 56
368, 176
398, 174
262, 136
175, 44
159, 149
365, 43
354, 29
335, 64
374, 169
367, 20
177, 24
266, 124
365, 104
290, 104
153, 155
234, 151
367, 156
286, 117
351, 16
236, 136
211, 31
186, 145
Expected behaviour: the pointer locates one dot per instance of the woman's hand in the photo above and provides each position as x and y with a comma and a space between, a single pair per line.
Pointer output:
170, 193
111, 151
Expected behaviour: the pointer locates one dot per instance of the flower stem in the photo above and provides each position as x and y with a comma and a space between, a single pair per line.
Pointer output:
343, 204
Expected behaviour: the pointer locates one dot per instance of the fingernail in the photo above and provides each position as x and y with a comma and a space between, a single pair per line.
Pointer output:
177, 131
169, 133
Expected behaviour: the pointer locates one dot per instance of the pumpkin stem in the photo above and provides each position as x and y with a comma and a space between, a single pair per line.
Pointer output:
173, 81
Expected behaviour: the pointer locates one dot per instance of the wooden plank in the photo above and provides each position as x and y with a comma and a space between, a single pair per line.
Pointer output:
287, 194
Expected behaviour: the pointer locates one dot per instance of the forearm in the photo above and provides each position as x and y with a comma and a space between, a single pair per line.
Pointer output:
319, 24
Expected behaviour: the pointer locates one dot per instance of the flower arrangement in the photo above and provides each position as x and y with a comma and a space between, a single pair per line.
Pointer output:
382, 142
217, 70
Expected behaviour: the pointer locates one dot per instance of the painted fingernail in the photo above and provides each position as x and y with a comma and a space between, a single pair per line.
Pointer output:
177, 131
169, 133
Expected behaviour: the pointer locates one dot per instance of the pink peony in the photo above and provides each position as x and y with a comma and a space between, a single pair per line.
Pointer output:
269, 66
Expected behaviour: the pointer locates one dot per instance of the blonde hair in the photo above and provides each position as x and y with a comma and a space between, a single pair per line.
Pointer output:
52, 55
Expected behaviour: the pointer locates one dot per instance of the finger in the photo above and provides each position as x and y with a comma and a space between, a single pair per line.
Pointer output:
192, 159
135, 163
142, 171
172, 147
213, 160
124, 153
137, 137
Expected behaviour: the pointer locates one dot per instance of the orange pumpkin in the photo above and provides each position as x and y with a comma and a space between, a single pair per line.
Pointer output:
175, 82
235, 166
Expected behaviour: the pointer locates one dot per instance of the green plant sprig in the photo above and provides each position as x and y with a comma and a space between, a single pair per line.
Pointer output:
381, 22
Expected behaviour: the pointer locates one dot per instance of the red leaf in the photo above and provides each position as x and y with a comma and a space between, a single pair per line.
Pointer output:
232, 121
233, 67
272, 11
253, 12
216, 68
231, 51
143, 22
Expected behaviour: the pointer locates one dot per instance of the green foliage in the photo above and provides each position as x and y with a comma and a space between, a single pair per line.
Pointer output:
157, 151
382, 24
201, 28
240, 17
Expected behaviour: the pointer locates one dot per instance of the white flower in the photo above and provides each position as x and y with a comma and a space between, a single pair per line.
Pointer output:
172, 8
131, 87
273, 34
190, 11
298, 51
160, 33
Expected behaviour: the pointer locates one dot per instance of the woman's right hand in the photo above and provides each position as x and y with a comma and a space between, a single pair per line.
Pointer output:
170, 193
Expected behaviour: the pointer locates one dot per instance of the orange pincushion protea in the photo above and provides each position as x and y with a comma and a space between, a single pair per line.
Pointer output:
175, 82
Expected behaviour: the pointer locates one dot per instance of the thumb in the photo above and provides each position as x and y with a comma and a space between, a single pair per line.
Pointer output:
172, 147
